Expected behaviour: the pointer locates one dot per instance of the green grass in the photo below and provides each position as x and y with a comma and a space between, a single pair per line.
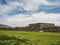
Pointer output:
29, 38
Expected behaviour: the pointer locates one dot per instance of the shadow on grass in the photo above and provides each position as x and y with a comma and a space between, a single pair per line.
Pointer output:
58, 43
6, 40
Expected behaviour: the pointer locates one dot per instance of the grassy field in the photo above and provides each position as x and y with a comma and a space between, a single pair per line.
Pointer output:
29, 38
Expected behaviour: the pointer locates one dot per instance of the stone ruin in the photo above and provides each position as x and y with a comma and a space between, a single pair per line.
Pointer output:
43, 27
37, 27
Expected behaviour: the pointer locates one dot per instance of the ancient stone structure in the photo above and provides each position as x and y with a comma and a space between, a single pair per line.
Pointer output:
43, 27
20, 28
37, 27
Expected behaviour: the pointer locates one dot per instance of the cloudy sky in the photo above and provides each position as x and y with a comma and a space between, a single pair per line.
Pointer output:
24, 12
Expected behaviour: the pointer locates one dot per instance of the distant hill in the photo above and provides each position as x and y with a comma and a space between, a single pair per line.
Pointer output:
4, 26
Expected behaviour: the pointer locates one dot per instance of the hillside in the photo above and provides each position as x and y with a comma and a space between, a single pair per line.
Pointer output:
29, 38
4, 26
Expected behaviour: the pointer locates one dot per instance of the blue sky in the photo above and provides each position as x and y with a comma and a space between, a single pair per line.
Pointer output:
24, 12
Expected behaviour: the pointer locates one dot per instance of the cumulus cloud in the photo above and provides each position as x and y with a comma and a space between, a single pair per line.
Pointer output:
24, 20
31, 7
27, 5
57, 2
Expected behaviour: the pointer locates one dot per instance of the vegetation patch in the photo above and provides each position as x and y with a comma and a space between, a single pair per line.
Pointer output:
29, 38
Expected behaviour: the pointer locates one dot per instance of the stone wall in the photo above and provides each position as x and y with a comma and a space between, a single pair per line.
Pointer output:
40, 26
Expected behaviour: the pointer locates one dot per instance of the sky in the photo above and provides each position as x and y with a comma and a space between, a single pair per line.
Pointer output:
23, 12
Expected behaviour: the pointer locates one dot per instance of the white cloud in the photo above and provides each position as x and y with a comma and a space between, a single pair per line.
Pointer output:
33, 5
28, 5
56, 2
16, 18
23, 20
4, 9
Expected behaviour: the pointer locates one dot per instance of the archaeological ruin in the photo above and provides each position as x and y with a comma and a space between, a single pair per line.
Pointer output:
43, 27
36, 27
